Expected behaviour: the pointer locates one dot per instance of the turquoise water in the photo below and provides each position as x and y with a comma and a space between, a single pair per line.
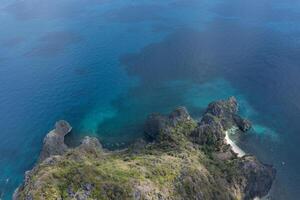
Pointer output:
105, 65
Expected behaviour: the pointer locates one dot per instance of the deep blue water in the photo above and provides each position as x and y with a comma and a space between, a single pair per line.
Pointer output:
105, 65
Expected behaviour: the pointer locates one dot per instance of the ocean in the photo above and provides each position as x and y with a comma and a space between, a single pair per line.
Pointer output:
105, 65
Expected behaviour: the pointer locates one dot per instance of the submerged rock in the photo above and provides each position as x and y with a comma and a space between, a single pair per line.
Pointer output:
179, 159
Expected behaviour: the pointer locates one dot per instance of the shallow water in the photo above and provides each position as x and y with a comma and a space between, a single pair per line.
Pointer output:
105, 65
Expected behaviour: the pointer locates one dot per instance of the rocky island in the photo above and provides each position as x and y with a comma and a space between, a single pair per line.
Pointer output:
178, 159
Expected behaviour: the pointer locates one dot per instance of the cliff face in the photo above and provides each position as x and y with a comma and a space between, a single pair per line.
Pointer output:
178, 159
54, 141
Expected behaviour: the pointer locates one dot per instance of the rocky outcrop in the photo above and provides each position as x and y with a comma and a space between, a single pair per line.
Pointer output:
179, 159
84, 194
54, 141
158, 126
52, 154
226, 112
219, 117
90, 144
256, 177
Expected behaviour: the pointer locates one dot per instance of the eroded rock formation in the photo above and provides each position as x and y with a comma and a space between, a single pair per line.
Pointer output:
179, 159
54, 141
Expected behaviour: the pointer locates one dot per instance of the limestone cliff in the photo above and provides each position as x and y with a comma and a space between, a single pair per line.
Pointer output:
179, 159
54, 141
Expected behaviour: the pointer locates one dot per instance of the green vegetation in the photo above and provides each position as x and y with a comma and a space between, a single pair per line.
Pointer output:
185, 161
159, 167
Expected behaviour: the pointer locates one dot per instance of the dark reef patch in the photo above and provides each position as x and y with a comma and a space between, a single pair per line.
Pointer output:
132, 109
44, 9
54, 43
190, 55
12, 42
260, 13
135, 13
167, 70
185, 3
259, 62
175, 164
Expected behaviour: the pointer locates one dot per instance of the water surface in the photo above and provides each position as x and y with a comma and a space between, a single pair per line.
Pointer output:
105, 65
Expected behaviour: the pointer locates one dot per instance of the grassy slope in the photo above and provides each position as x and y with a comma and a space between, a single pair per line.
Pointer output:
173, 168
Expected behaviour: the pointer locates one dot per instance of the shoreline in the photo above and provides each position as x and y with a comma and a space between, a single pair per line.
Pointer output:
153, 161
236, 149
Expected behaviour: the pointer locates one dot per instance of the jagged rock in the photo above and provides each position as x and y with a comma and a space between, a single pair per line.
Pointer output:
90, 144
211, 133
16, 195
157, 123
52, 160
82, 194
192, 185
138, 146
180, 114
257, 177
154, 124
183, 160
146, 191
62, 127
243, 124
54, 141
225, 111
223, 108
223, 156
219, 117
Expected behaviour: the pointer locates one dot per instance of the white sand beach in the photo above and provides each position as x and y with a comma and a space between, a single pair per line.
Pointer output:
235, 148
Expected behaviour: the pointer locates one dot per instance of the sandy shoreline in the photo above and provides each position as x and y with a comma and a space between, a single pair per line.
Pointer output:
235, 148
